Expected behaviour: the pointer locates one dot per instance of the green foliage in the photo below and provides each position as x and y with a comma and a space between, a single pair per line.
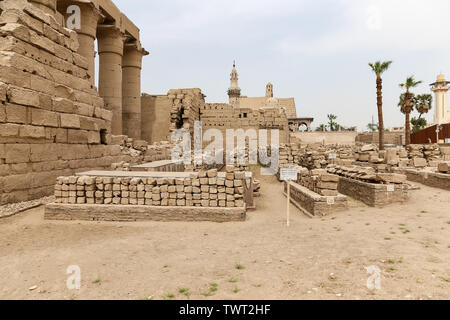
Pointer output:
424, 103
332, 124
402, 102
380, 67
410, 83
418, 123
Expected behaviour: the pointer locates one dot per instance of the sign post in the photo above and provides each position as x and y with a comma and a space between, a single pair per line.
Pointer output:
288, 175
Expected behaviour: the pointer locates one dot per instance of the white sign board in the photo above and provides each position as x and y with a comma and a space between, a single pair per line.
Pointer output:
332, 156
288, 174
447, 140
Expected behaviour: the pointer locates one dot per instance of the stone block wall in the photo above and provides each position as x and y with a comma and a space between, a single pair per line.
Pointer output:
155, 121
223, 116
202, 189
52, 120
314, 204
374, 195
185, 108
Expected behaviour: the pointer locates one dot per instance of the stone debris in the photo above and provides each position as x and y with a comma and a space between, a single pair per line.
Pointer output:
14, 208
444, 167
367, 174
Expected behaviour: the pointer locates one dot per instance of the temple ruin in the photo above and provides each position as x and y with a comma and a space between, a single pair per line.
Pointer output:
112, 147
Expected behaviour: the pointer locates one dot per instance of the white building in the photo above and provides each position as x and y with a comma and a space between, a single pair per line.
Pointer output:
441, 110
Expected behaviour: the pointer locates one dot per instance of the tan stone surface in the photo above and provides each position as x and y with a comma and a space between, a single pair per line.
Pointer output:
142, 213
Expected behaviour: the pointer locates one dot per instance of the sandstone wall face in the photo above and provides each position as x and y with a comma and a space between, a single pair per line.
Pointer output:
185, 110
155, 121
203, 189
52, 120
223, 116
327, 138
395, 138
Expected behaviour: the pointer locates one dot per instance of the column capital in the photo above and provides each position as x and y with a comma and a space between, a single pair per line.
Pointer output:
110, 39
90, 15
132, 54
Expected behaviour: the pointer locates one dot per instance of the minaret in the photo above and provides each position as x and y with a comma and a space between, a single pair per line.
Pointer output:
234, 92
269, 90
440, 89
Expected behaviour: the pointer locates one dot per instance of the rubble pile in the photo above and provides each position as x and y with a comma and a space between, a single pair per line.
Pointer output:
367, 174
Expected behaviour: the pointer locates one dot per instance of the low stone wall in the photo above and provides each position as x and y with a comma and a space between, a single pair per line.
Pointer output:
129, 213
430, 179
202, 189
326, 138
374, 195
313, 203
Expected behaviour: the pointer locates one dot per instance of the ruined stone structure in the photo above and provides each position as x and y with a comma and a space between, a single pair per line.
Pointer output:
53, 122
224, 116
255, 103
120, 55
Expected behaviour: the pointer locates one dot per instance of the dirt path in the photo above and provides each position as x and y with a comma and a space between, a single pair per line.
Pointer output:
313, 259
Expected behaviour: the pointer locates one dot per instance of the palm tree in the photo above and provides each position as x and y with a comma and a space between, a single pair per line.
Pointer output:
424, 104
379, 68
408, 106
331, 123
322, 127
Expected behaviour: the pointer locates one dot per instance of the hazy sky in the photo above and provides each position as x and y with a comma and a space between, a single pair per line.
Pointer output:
314, 50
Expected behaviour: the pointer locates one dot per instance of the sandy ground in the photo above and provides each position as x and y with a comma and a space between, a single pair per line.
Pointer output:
257, 259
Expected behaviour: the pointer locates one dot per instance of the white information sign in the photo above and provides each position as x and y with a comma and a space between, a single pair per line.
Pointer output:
332, 156
288, 174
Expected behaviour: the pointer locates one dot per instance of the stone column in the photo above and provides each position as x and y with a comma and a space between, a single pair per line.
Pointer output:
90, 17
110, 50
131, 89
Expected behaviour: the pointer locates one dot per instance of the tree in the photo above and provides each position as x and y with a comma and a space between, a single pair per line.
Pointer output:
418, 123
407, 106
331, 123
424, 104
322, 127
379, 68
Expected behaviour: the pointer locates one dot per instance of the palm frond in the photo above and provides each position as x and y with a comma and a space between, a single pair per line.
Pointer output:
380, 67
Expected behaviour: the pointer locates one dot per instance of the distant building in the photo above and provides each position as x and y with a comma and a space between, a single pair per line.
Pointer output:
441, 110
396, 129
255, 103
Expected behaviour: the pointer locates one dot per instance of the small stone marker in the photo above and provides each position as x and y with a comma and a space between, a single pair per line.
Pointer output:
288, 175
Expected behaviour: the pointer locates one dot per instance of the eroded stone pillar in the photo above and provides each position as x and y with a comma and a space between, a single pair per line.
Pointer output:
131, 89
89, 19
110, 50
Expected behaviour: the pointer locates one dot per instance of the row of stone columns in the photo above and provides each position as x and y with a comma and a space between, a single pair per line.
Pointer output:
120, 64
